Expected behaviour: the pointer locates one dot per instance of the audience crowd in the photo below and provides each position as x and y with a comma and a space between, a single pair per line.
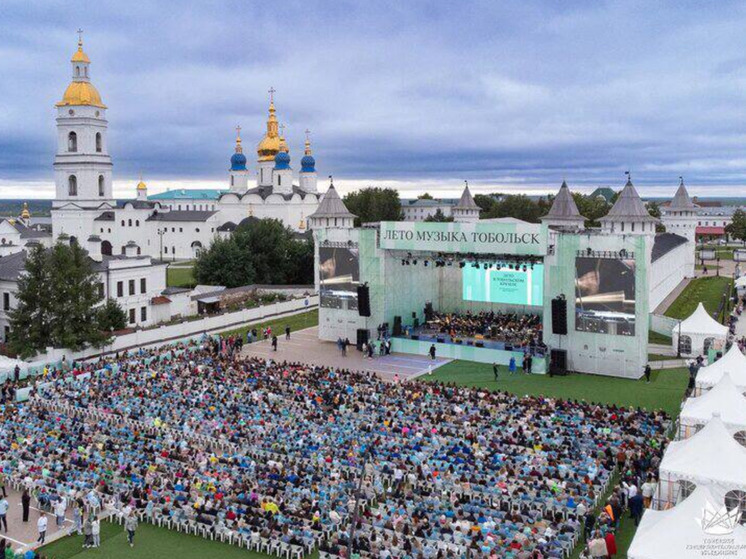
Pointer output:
272, 453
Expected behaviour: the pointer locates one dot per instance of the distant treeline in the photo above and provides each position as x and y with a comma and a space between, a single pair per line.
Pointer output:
13, 208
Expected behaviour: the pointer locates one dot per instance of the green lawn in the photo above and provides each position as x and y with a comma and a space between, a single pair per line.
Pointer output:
296, 322
180, 277
659, 357
708, 290
151, 542
665, 390
661, 339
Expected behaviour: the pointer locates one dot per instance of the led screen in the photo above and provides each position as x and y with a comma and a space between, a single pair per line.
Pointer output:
605, 296
339, 276
503, 285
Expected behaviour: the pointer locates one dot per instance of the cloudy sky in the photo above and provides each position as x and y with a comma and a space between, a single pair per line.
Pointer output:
419, 95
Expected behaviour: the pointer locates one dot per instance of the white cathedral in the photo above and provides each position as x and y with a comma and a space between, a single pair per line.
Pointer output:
172, 225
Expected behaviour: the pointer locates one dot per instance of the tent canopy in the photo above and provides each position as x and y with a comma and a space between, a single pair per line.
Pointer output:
725, 399
700, 322
741, 282
678, 533
711, 455
733, 362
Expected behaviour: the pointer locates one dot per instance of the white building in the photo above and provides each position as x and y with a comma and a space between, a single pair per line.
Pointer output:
422, 208
173, 225
135, 282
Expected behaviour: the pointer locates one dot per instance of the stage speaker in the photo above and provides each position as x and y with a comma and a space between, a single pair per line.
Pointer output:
559, 316
397, 326
415, 336
479, 344
558, 362
363, 300
416, 323
362, 338
414, 315
441, 340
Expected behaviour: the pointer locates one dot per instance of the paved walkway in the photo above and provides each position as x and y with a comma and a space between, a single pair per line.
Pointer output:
23, 535
305, 347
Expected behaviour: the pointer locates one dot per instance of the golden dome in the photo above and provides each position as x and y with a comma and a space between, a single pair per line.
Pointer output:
284, 145
270, 144
79, 55
81, 93
141, 185
25, 214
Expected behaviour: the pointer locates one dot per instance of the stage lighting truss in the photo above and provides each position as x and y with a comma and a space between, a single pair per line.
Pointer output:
476, 261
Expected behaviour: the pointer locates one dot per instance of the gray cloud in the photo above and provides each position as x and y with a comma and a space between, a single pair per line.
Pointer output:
521, 92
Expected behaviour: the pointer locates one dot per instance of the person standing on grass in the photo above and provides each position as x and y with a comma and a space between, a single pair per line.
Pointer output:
287, 332
511, 366
648, 370
96, 532
41, 526
496, 370
4, 506
130, 524
432, 352
88, 533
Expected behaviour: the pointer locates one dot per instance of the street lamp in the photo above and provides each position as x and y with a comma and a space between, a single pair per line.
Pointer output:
161, 232
678, 343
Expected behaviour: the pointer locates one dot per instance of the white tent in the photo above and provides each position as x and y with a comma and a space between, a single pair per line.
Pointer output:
710, 457
733, 362
699, 332
725, 399
741, 285
687, 530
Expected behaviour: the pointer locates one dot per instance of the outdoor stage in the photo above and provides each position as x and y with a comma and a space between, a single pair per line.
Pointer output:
466, 351
304, 346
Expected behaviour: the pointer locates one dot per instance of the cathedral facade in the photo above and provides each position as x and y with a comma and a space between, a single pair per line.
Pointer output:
173, 225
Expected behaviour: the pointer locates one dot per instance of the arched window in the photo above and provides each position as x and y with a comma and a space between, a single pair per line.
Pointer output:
72, 142
122, 223
736, 499
279, 180
98, 142
106, 248
72, 186
686, 344
741, 438
231, 180
100, 185
686, 488
129, 223
77, 71
137, 223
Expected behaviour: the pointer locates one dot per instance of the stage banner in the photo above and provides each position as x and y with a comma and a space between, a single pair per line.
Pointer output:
523, 239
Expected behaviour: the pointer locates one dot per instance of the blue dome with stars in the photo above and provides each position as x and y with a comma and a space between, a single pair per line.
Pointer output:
308, 164
238, 162
282, 161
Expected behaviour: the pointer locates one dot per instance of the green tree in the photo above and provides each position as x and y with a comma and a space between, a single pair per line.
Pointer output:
654, 209
260, 251
592, 208
439, 216
519, 206
736, 229
57, 299
425, 196
485, 202
374, 204
111, 316
224, 264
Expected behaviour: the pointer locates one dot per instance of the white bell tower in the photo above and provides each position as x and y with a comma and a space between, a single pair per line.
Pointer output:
82, 166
